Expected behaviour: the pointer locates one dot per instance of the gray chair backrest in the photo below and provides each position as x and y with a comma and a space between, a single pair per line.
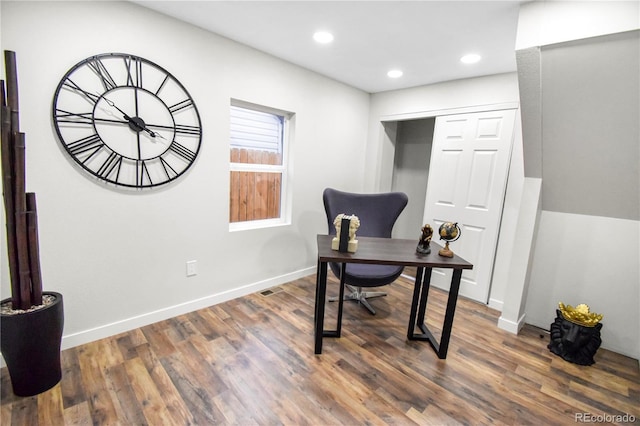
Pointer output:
377, 212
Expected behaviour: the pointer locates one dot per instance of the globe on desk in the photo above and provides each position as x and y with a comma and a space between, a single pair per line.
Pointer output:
449, 232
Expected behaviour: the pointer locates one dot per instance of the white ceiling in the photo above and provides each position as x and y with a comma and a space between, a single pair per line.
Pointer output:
423, 38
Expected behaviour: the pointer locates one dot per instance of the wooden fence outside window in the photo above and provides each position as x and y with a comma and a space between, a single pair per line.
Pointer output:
254, 195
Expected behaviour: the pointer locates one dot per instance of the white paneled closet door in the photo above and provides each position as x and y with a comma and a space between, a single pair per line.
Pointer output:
467, 182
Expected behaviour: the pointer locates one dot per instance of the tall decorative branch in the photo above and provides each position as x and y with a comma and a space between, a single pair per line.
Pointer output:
20, 206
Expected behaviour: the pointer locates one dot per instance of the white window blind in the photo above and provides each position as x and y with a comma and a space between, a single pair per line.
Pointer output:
257, 130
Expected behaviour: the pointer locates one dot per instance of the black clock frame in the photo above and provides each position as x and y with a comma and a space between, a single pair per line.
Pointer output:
97, 155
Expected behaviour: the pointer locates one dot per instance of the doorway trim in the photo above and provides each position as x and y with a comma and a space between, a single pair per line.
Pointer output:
388, 149
448, 111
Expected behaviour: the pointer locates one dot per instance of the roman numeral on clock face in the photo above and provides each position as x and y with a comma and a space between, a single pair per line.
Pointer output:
74, 117
181, 105
88, 144
187, 130
134, 71
74, 87
141, 172
103, 74
182, 151
110, 165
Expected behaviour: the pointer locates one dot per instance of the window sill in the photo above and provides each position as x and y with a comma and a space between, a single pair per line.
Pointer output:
257, 224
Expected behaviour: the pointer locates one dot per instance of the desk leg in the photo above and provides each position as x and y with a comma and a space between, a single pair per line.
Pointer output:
426, 284
414, 304
343, 274
448, 317
418, 310
321, 290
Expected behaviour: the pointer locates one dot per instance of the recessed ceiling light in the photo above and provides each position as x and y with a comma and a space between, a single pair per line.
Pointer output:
394, 74
470, 59
323, 37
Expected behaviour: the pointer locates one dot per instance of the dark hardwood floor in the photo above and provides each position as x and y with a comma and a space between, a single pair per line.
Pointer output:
251, 361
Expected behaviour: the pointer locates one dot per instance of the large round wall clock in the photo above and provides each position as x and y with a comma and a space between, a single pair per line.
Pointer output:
126, 120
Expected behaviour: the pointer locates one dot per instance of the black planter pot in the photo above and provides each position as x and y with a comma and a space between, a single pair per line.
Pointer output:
30, 344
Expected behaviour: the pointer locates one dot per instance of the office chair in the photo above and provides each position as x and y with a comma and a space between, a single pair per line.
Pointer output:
377, 213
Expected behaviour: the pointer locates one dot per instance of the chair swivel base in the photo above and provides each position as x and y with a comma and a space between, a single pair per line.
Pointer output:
357, 295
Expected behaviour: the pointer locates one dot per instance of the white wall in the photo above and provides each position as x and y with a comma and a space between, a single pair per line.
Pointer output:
118, 257
541, 23
592, 260
576, 259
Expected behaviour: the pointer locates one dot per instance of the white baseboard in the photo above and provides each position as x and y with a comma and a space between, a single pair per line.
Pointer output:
511, 326
496, 304
107, 330
408, 277
493, 303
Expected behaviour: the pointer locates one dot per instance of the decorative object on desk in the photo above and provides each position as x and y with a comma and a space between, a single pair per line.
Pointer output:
449, 232
575, 334
31, 321
346, 227
425, 240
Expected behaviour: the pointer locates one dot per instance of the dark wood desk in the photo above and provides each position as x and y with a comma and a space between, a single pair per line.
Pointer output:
389, 251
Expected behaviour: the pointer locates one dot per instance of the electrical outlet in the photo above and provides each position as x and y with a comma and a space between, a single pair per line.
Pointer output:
192, 268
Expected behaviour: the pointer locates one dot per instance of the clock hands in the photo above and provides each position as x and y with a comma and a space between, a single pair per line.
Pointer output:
135, 123
124, 114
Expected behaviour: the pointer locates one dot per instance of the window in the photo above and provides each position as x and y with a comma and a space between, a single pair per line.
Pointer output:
258, 166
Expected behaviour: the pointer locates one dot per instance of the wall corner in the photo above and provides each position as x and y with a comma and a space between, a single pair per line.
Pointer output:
513, 314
